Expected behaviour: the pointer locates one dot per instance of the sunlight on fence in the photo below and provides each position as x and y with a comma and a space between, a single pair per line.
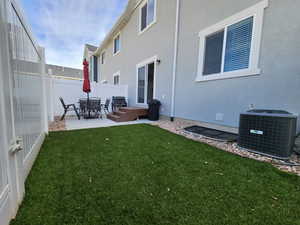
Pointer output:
22, 112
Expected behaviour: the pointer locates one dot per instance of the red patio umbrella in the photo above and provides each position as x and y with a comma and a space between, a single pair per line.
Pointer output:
86, 82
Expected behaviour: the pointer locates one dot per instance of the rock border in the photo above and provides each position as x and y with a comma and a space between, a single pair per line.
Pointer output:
57, 125
178, 126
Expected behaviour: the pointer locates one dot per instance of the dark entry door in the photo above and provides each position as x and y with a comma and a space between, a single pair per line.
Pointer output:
150, 87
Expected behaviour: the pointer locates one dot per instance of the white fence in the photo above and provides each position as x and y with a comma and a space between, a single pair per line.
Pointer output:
71, 92
28, 100
23, 113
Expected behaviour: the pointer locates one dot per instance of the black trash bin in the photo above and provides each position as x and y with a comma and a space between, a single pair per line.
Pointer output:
153, 111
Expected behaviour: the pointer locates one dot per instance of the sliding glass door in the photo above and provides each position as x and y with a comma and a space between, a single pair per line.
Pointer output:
141, 84
145, 84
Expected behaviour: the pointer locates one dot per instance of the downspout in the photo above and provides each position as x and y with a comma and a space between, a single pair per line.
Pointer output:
175, 60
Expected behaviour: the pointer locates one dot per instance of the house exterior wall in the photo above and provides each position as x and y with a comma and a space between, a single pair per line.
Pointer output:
277, 87
158, 41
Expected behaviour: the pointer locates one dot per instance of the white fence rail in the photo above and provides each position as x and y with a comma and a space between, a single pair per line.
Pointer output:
28, 100
71, 92
23, 121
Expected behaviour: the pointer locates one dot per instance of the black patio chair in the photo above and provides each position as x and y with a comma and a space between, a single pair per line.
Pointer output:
117, 102
95, 106
105, 106
68, 108
83, 106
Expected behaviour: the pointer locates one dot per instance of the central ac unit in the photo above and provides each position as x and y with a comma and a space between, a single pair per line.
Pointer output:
268, 132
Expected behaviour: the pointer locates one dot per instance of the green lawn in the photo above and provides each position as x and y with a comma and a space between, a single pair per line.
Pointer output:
143, 175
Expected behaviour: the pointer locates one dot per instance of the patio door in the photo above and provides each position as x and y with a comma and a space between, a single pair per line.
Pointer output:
146, 82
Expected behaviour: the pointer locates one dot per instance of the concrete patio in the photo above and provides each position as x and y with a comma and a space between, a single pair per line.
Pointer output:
75, 124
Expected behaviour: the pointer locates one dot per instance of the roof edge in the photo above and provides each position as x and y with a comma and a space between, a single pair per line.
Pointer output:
121, 22
90, 47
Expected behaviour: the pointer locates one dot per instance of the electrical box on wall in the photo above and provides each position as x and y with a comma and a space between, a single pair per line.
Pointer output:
220, 117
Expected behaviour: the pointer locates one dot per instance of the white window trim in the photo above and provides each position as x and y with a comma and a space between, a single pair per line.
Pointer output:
257, 11
118, 34
115, 75
140, 17
101, 58
141, 64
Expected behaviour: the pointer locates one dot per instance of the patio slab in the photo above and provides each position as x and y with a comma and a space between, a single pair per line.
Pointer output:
74, 124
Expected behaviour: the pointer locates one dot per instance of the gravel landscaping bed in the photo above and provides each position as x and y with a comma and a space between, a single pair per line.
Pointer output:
57, 125
178, 127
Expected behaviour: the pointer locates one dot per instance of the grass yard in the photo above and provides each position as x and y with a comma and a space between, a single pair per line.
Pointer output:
143, 175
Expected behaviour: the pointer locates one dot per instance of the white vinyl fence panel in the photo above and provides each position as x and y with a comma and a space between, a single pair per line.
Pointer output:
22, 106
26, 63
49, 97
71, 92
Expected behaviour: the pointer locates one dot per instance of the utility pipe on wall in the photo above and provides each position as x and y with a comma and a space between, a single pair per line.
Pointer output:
175, 60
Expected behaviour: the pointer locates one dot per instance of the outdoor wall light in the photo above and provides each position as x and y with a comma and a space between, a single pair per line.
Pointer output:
158, 61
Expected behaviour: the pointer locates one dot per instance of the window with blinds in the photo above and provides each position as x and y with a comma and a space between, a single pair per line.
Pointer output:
213, 53
238, 45
231, 47
237, 48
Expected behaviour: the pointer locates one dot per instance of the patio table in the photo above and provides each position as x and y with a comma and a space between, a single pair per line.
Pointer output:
90, 108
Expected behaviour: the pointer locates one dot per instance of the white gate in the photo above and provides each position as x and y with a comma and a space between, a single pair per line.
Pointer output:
23, 118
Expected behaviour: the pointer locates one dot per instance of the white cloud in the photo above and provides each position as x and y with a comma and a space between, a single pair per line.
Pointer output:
64, 26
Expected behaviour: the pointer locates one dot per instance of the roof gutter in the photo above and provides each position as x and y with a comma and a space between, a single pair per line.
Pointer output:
175, 60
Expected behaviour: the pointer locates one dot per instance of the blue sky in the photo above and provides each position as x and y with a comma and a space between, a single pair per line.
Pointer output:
64, 26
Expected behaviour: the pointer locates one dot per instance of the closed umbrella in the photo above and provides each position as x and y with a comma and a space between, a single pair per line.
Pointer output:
86, 83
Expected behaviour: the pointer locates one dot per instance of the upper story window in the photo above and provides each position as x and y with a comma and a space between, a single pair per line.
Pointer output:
117, 44
116, 77
231, 48
95, 68
103, 58
147, 14
91, 68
